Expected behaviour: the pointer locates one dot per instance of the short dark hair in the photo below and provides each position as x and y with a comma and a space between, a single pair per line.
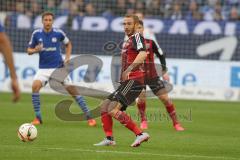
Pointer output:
134, 17
47, 14
141, 22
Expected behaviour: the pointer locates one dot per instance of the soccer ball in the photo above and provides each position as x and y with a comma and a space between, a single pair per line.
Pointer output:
27, 132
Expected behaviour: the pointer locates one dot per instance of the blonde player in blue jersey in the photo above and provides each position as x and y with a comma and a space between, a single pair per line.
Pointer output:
47, 42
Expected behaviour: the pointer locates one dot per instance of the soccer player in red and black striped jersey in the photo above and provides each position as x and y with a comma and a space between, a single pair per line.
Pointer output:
153, 81
132, 83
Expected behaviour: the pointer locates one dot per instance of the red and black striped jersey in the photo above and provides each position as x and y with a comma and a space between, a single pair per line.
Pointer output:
149, 65
130, 50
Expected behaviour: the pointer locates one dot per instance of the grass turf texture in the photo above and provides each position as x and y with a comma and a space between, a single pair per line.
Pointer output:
212, 132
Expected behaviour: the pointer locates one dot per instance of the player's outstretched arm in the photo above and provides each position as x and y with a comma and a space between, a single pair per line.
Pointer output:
6, 50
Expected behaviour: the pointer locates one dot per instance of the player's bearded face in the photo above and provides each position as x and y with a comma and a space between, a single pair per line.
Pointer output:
47, 22
129, 26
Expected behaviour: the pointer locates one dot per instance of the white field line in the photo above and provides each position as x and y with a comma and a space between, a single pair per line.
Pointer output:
122, 152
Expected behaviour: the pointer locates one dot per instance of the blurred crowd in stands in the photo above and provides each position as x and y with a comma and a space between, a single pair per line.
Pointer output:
165, 9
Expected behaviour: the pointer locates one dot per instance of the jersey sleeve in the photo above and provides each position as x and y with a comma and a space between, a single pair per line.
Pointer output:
33, 41
160, 56
138, 42
63, 37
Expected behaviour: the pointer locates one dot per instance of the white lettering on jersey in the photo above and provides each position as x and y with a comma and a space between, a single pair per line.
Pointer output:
50, 49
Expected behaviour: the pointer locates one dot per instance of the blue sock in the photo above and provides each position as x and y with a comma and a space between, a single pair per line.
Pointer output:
82, 104
36, 105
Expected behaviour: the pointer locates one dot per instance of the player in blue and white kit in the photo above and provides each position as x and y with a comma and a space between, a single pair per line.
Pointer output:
47, 42
6, 50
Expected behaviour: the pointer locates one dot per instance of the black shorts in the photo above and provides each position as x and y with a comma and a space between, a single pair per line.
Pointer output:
126, 93
155, 84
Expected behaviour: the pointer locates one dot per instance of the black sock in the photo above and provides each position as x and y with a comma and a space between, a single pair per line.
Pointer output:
110, 138
139, 134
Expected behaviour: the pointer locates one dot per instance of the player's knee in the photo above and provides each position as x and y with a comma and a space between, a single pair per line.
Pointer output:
164, 98
113, 111
142, 97
104, 106
141, 100
113, 108
36, 87
72, 90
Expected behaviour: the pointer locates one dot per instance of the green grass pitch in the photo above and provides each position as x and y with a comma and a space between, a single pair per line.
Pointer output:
212, 133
